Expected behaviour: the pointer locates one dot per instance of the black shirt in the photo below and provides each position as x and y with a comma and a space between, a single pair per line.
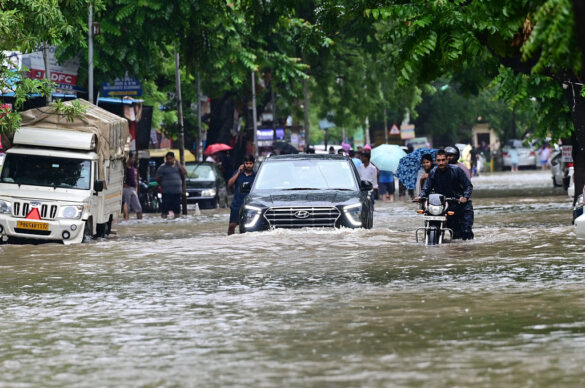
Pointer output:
452, 183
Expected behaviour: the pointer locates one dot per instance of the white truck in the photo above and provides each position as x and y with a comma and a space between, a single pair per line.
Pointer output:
62, 180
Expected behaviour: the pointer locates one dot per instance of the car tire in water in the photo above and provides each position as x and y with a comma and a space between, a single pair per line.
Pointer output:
87, 231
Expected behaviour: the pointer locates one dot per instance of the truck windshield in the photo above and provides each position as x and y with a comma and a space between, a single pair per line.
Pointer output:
46, 171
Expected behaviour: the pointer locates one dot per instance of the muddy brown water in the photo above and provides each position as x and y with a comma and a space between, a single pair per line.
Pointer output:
178, 303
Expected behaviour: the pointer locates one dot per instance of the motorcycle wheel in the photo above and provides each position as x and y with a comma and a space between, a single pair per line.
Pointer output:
432, 237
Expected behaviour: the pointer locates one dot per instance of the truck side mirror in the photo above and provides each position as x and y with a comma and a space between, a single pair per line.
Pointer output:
366, 186
245, 188
98, 186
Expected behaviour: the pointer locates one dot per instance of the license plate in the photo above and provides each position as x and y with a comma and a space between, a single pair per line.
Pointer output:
435, 218
32, 225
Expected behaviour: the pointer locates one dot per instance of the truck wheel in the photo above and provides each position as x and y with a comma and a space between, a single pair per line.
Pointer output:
104, 230
87, 232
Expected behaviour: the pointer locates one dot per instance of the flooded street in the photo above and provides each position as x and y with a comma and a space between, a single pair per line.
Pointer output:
178, 303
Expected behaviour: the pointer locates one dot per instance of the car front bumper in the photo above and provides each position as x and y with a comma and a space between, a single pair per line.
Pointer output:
65, 230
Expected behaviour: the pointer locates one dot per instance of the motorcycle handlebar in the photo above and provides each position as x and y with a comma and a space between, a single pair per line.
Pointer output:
422, 199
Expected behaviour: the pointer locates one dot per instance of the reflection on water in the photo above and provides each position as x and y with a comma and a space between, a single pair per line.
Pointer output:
178, 303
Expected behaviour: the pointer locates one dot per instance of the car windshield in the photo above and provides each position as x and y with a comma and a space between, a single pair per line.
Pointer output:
46, 171
305, 175
200, 172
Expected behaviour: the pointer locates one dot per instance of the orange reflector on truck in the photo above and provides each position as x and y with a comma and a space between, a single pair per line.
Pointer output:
34, 214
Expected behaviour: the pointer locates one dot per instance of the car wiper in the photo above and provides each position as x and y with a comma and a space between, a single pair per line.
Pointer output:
302, 188
340, 189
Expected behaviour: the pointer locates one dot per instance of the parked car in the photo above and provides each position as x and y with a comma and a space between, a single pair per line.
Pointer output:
306, 190
526, 154
205, 185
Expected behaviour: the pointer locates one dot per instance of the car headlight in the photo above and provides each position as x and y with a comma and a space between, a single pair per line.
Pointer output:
252, 215
353, 212
71, 212
435, 210
578, 204
208, 193
5, 207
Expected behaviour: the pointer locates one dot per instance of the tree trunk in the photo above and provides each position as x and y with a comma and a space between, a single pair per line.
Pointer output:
221, 120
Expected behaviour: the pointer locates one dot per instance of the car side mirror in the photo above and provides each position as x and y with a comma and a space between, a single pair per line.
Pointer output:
245, 187
366, 186
98, 186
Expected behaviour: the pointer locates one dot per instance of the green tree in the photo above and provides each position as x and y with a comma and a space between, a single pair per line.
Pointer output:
26, 26
531, 49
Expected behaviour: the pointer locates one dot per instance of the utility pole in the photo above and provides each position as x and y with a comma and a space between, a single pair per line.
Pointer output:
367, 137
47, 67
306, 108
386, 125
200, 131
90, 55
181, 128
273, 108
254, 117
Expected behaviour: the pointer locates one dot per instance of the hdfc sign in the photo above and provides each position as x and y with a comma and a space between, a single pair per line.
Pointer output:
63, 74
58, 78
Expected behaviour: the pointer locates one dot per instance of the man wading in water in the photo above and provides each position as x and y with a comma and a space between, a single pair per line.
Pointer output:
244, 174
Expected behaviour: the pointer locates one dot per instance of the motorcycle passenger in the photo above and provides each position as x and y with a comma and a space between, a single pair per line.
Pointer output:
453, 158
452, 182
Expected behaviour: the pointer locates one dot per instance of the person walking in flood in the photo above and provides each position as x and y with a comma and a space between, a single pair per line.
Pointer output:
130, 195
245, 173
170, 177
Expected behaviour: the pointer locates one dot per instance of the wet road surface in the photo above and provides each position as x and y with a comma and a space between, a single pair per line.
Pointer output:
169, 303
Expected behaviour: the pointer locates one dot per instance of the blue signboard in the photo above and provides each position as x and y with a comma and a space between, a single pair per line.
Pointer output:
122, 87
268, 134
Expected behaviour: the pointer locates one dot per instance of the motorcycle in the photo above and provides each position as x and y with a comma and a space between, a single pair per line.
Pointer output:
149, 197
435, 213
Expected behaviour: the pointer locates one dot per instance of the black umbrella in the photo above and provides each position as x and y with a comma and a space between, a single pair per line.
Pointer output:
284, 148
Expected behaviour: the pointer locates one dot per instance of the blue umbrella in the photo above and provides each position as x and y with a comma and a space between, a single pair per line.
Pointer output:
409, 166
387, 156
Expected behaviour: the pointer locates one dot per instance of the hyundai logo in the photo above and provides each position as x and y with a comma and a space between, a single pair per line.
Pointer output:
302, 214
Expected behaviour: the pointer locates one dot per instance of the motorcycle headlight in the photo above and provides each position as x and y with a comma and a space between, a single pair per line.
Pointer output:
208, 193
252, 215
5, 207
435, 210
352, 212
71, 212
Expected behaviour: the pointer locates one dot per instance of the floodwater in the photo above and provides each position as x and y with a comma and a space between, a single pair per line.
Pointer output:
177, 303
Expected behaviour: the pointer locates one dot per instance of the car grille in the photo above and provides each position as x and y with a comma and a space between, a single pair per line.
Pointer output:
21, 209
301, 217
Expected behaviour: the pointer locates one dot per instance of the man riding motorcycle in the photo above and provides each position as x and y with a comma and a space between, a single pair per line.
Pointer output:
452, 182
453, 156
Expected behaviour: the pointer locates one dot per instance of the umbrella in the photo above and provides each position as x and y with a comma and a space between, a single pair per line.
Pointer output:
386, 156
284, 148
409, 166
213, 148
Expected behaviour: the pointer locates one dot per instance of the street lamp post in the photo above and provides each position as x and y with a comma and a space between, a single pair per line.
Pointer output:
181, 128
90, 55
254, 117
